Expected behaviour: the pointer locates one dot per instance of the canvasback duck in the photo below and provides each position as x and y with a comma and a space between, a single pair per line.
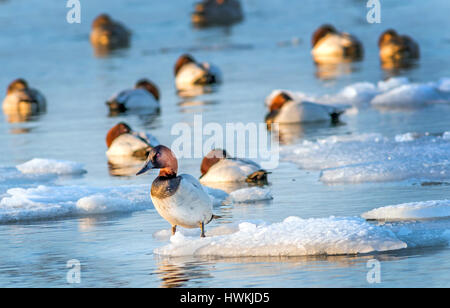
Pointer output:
23, 100
216, 12
218, 166
285, 109
329, 45
144, 96
179, 199
397, 49
108, 33
122, 141
189, 73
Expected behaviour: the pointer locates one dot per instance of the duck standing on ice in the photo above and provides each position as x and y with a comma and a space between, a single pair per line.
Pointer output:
284, 109
179, 199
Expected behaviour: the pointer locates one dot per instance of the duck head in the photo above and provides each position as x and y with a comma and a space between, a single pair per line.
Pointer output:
275, 105
149, 86
101, 20
211, 159
116, 131
17, 85
183, 60
161, 157
387, 36
321, 32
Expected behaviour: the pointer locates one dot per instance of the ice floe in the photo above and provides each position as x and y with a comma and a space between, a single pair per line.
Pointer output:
395, 93
410, 211
291, 237
249, 195
46, 202
373, 158
50, 166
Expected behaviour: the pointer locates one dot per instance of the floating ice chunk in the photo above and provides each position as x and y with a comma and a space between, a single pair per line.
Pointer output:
373, 158
252, 194
407, 96
406, 137
50, 166
44, 202
446, 136
411, 211
444, 84
392, 83
292, 237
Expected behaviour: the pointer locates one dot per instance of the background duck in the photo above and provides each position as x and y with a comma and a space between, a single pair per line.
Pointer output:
189, 73
179, 199
22, 100
122, 141
218, 166
217, 12
397, 50
144, 96
109, 34
285, 108
329, 45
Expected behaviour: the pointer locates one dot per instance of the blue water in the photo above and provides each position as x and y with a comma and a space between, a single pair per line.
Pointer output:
255, 56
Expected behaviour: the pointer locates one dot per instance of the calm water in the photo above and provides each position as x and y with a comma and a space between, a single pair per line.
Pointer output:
256, 56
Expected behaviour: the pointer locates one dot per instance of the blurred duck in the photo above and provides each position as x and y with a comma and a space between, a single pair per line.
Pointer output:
189, 73
179, 199
109, 34
218, 166
122, 142
332, 46
22, 101
217, 12
396, 49
144, 96
284, 109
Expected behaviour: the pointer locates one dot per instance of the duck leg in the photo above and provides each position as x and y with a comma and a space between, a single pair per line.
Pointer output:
202, 227
174, 229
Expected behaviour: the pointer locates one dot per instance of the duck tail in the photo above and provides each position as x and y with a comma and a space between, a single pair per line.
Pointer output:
116, 106
214, 217
335, 116
258, 176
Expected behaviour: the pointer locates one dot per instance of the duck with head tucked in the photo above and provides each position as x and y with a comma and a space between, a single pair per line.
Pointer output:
179, 199
143, 97
397, 50
284, 108
22, 100
109, 34
217, 12
332, 46
219, 167
189, 73
122, 141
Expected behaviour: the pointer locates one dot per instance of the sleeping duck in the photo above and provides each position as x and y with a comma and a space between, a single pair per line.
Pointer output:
217, 12
179, 199
284, 109
21, 100
109, 34
218, 166
122, 142
397, 49
329, 45
144, 97
189, 73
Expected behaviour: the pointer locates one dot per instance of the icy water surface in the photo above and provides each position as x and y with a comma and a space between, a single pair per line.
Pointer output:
389, 155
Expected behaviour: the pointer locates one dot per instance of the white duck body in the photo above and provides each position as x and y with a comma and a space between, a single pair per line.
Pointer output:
188, 206
129, 144
190, 74
333, 47
136, 99
230, 170
301, 112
